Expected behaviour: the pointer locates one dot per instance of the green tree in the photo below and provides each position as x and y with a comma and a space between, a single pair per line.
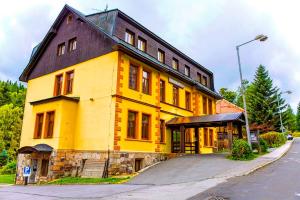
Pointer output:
290, 119
239, 99
262, 102
228, 95
298, 118
10, 128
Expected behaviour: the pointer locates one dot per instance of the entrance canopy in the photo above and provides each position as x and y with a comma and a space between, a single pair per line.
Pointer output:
39, 148
208, 120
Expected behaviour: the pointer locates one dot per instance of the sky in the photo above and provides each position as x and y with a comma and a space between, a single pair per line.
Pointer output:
207, 31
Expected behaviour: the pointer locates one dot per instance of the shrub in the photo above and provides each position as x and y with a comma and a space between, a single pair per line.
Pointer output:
296, 134
274, 139
263, 145
3, 157
241, 150
9, 168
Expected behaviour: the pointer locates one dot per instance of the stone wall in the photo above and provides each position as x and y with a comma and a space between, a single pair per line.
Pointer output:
71, 163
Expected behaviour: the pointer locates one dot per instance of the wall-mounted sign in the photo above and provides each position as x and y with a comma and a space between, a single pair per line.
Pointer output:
177, 83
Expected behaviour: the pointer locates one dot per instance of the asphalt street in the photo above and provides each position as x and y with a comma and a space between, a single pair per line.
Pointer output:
277, 181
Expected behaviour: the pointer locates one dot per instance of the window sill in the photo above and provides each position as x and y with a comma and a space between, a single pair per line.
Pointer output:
162, 143
138, 140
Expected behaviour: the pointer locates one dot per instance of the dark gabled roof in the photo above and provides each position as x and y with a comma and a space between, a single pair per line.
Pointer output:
168, 45
38, 50
56, 98
153, 35
39, 148
207, 120
51, 33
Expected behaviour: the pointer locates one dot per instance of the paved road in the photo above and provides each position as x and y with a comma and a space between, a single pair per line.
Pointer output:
278, 181
184, 169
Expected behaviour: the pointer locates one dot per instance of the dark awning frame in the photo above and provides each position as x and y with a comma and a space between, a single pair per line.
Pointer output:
39, 148
215, 120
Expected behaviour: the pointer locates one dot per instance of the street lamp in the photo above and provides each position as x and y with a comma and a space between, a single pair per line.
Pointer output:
280, 112
260, 38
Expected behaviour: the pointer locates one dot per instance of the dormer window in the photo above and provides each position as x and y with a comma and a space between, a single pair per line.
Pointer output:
61, 49
72, 44
129, 37
69, 19
161, 56
175, 64
187, 71
142, 44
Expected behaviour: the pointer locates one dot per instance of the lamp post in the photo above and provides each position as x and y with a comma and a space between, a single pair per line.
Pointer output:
260, 38
280, 112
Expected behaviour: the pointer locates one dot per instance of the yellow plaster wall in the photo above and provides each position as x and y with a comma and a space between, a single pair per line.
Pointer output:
93, 117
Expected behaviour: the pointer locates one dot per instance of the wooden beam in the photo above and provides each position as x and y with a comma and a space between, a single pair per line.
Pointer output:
229, 132
197, 140
240, 132
182, 139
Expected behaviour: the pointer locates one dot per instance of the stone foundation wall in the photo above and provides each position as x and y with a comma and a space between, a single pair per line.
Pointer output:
71, 163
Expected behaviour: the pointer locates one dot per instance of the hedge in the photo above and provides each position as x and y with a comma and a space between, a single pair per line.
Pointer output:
274, 139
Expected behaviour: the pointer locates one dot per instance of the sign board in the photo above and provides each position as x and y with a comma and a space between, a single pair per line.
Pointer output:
177, 83
26, 171
253, 137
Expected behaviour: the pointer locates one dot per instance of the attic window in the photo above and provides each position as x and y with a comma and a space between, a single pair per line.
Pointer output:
69, 19
72, 44
61, 49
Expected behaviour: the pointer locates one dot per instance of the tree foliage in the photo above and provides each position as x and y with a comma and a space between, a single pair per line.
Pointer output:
12, 98
298, 118
228, 94
264, 102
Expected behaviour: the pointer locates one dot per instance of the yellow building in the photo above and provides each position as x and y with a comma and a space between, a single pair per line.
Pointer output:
102, 93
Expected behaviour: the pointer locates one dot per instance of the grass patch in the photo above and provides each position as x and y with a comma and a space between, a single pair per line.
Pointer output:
7, 179
82, 181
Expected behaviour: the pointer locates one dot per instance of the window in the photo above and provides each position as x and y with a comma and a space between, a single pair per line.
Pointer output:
205, 137
58, 85
145, 127
142, 44
72, 45
175, 64
44, 168
61, 49
204, 104
187, 71
69, 19
175, 95
188, 100
39, 120
131, 127
199, 77
146, 82
69, 82
161, 56
129, 37
162, 91
210, 107
133, 77
211, 137
49, 124
162, 130
204, 80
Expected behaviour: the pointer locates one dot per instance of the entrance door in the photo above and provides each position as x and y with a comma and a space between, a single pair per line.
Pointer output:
34, 165
175, 141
